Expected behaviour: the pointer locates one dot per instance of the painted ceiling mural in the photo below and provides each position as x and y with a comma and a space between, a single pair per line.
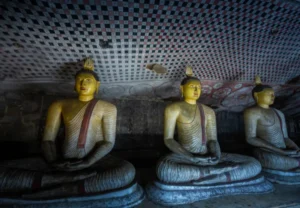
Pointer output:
43, 43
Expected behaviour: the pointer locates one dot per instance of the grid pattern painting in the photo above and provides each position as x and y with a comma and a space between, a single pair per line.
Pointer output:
222, 40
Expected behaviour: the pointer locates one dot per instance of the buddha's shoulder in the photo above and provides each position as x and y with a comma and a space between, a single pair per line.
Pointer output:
104, 103
252, 110
278, 111
62, 102
100, 103
106, 106
206, 109
176, 106
65, 102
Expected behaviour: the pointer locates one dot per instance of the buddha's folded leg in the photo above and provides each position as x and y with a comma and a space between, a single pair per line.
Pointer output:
18, 180
275, 161
21, 175
247, 167
244, 168
174, 168
31, 174
112, 173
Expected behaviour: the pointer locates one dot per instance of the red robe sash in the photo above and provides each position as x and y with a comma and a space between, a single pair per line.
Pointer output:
85, 124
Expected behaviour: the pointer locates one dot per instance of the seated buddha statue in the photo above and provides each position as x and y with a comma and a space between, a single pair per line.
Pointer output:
196, 160
84, 165
266, 131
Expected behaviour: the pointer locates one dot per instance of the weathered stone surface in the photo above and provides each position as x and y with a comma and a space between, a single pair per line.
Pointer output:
282, 177
168, 194
126, 197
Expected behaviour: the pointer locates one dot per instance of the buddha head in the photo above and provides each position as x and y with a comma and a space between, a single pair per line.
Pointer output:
190, 86
263, 94
86, 80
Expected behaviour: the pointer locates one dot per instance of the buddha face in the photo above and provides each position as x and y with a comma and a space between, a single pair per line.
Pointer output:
191, 90
86, 84
265, 97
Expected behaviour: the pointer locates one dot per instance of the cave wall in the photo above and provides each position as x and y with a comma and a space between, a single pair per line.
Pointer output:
139, 126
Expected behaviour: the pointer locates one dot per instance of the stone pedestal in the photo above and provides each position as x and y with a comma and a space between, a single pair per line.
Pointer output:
176, 194
282, 177
126, 197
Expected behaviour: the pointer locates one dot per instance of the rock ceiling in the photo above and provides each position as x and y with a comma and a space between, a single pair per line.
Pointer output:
227, 43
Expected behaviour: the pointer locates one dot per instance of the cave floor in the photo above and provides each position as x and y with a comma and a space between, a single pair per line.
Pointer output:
284, 196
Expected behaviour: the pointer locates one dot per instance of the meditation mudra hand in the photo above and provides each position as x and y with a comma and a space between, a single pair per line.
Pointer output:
196, 156
84, 166
266, 130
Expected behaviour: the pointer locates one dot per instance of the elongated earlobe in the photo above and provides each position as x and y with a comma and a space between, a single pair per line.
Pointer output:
97, 89
256, 96
181, 90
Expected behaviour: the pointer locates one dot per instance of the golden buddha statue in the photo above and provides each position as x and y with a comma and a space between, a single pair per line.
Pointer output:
196, 158
266, 130
84, 167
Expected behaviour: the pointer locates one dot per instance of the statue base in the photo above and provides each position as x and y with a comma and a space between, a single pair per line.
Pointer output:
126, 197
282, 177
175, 194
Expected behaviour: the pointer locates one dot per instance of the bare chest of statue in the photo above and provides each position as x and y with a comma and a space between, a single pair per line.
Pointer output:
267, 117
189, 129
73, 114
269, 128
187, 113
71, 109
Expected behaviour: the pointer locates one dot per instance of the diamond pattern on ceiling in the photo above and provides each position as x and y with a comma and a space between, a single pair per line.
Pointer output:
222, 40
